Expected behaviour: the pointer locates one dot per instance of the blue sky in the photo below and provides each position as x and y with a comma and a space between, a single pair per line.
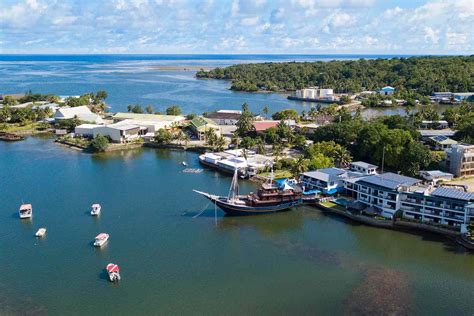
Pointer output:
237, 26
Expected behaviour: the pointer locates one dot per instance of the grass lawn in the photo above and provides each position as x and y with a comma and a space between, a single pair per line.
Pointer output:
277, 174
12, 128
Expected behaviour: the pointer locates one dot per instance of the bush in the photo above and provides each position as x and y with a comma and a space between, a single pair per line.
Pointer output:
99, 143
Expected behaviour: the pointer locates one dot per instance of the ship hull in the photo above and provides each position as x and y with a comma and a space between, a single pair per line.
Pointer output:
239, 210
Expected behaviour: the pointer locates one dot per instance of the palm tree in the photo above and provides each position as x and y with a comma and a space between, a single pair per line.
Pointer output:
342, 157
220, 143
265, 110
235, 140
277, 151
299, 166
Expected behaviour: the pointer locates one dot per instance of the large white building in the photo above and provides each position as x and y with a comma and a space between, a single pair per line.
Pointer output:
315, 93
380, 191
83, 113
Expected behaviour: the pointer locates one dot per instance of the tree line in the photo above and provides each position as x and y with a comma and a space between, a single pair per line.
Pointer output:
415, 76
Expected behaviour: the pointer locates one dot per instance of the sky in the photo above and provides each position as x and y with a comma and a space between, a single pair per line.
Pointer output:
237, 27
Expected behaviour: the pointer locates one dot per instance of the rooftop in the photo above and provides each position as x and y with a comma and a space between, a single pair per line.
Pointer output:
364, 165
148, 117
389, 180
443, 140
261, 126
223, 115
453, 194
199, 122
326, 174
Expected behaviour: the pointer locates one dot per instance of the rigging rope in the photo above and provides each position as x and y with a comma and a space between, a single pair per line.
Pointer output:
205, 208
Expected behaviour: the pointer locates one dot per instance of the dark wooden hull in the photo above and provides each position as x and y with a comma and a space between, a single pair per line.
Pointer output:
239, 210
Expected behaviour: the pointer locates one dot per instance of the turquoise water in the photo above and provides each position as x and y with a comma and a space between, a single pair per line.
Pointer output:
297, 262
148, 80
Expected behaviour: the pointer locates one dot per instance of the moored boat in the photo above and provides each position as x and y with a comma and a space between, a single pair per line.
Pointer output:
96, 208
269, 198
101, 239
41, 232
25, 211
114, 272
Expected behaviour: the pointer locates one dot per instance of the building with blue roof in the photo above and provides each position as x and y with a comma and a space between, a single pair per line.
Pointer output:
388, 90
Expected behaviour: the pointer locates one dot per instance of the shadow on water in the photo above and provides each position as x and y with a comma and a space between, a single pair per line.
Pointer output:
127, 154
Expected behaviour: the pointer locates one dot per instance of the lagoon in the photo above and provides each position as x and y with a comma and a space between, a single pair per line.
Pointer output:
299, 262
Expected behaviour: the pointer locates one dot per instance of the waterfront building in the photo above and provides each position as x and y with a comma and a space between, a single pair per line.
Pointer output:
460, 96
442, 124
200, 125
225, 117
327, 180
441, 142
83, 113
435, 176
85, 130
447, 206
442, 96
315, 93
363, 167
460, 160
387, 90
380, 191
119, 133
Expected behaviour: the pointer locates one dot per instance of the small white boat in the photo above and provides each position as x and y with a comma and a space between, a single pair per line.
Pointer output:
41, 232
101, 239
26, 211
114, 272
184, 163
96, 209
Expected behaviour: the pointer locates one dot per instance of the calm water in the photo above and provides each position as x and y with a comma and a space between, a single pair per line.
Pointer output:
134, 79
298, 262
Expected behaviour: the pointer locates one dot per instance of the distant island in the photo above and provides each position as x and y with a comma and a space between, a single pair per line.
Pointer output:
411, 77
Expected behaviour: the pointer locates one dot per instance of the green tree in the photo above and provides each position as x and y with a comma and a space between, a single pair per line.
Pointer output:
265, 110
299, 166
319, 161
163, 136
288, 114
149, 109
173, 110
5, 114
100, 143
245, 122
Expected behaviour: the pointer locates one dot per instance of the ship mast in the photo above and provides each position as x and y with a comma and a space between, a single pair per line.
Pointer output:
234, 187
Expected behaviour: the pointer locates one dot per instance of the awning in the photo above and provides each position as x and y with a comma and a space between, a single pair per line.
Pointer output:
310, 192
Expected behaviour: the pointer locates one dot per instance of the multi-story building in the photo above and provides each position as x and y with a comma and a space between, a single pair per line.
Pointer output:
327, 180
379, 191
387, 193
446, 206
460, 160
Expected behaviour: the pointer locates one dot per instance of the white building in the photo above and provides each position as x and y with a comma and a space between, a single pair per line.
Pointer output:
315, 93
118, 133
363, 167
83, 113
380, 191
85, 130
327, 180
224, 117
444, 205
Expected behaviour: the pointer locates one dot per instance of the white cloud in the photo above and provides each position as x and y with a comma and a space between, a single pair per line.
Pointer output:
431, 35
249, 21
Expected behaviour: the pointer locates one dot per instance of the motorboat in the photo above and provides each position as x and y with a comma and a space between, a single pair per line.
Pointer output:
184, 163
101, 239
96, 209
41, 232
26, 211
114, 272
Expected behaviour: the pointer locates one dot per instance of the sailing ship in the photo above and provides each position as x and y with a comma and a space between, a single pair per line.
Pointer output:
269, 198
